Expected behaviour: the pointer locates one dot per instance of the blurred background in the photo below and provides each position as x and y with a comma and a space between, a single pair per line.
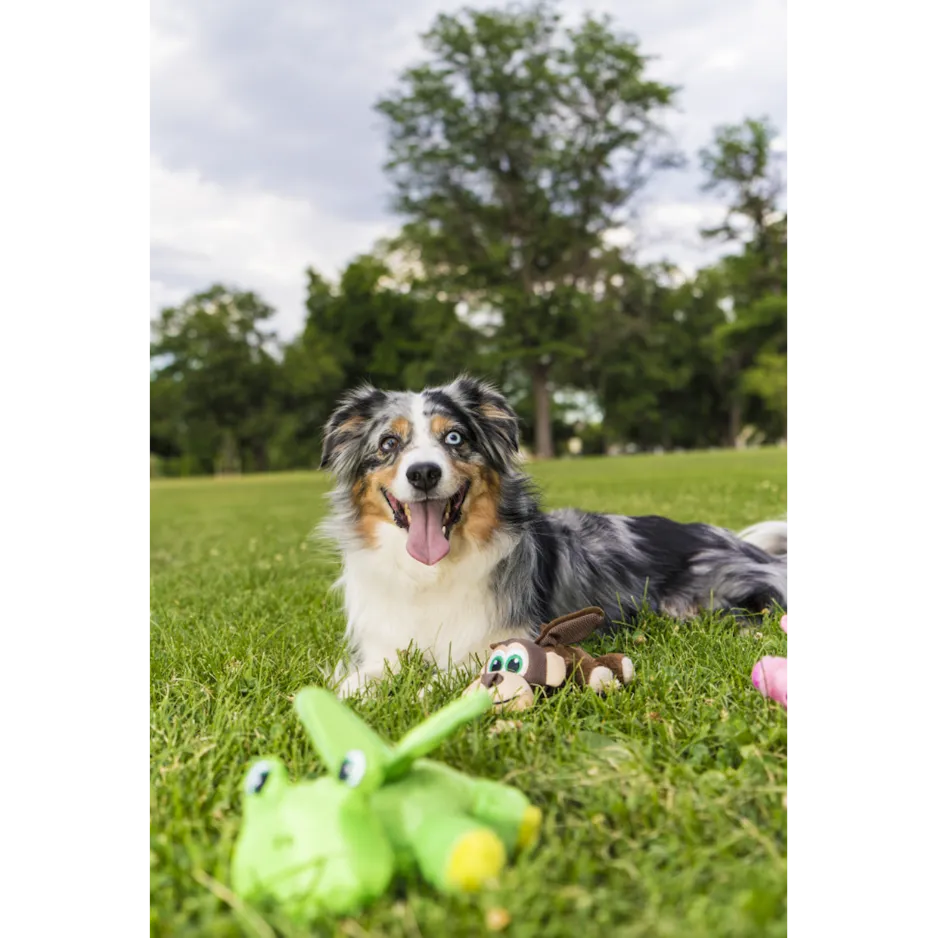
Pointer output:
583, 202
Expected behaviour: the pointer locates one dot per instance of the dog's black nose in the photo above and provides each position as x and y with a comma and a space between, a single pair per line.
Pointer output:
492, 678
424, 475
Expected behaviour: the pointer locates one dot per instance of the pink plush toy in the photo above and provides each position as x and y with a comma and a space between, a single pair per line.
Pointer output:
770, 675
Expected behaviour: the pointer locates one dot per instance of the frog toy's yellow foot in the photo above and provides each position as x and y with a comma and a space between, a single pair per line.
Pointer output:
530, 826
477, 857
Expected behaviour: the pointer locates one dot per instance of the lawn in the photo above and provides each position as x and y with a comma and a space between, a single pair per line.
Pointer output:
664, 804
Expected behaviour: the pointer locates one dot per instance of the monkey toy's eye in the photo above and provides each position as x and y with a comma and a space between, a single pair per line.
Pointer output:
517, 662
453, 438
352, 770
496, 662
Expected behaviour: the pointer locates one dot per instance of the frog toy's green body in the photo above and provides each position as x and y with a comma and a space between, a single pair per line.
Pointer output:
332, 844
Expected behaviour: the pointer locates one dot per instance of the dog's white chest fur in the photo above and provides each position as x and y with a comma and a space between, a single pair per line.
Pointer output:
446, 612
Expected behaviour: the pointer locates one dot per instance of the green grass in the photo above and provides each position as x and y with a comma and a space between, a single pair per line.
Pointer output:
663, 804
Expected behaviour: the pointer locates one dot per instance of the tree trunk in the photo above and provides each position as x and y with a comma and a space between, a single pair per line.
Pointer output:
230, 458
736, 408
543, 436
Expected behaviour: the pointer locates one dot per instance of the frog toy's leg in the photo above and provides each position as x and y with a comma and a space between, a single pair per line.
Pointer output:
457, 854
516, 821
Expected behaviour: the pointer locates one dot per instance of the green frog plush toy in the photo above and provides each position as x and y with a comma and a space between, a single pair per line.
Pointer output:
332, 844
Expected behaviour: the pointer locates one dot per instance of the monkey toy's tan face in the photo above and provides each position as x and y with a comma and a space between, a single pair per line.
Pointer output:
514, 669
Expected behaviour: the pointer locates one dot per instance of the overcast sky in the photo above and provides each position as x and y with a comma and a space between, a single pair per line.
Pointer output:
266, 153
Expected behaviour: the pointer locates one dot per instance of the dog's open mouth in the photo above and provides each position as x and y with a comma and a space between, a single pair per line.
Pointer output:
428, 523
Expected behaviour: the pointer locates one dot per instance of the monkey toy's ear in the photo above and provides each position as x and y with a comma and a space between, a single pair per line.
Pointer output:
572, 628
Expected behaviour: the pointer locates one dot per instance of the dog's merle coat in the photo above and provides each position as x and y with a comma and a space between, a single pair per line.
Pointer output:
539, 565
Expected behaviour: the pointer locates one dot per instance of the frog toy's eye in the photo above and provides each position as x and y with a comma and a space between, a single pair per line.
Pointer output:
496, 662
453, 438
517, 662
352, 770
257, 776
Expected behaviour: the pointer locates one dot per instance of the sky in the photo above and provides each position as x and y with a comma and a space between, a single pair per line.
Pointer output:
266, 153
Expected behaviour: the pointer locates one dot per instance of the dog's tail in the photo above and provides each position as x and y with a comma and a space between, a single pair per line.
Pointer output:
770, 536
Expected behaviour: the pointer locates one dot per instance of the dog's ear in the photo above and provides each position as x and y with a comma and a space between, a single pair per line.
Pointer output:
572, 628
349, 423
495, 419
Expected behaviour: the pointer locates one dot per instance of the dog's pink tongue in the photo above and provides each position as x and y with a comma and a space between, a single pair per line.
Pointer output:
425, 539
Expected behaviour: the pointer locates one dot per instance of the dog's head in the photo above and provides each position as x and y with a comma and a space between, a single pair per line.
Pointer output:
429, 464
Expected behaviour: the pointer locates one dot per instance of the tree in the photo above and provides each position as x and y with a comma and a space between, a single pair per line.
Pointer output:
390, 331
211, 359
742, 162
513, 149
650, 361
166, 420
751, 346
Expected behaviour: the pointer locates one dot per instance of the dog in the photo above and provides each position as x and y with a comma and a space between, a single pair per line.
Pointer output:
445, 548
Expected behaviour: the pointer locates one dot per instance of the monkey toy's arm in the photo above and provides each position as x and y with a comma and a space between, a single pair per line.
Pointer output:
600, 674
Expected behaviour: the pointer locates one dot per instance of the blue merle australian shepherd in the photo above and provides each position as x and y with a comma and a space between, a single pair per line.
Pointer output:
445, 548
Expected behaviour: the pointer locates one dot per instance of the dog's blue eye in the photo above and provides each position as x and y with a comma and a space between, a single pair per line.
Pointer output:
388, 444
453, 438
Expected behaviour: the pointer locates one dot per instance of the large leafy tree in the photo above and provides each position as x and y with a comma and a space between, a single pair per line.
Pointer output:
514, 147
213, 377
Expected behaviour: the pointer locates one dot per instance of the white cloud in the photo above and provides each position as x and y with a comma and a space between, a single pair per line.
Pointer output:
185, 80
670, 230
250, 238
163, 294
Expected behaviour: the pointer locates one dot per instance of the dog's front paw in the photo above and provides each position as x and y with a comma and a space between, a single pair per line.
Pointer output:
358, 683
350, 686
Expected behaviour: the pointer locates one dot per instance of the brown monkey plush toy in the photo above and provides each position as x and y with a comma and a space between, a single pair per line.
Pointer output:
517, 666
